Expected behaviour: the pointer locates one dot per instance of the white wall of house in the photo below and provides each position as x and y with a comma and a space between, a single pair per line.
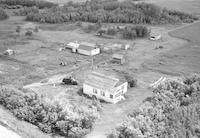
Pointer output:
95, 51
106, 95
84, 52
89, 52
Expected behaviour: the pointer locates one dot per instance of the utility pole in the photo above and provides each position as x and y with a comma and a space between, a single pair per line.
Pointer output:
92, 61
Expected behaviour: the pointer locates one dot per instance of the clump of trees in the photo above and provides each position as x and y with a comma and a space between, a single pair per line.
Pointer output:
29, 3
137, 31
50, 117
26, 10
172, 111
111, 11
3, 14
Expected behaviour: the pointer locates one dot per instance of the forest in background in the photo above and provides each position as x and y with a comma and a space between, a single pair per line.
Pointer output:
111, 11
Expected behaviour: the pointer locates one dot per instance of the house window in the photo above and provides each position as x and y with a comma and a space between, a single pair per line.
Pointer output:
95, 91
119, 94
102, 93
111, 96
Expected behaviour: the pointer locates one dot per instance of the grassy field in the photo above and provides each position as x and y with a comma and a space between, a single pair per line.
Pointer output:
190, 33
38, 57
182, 60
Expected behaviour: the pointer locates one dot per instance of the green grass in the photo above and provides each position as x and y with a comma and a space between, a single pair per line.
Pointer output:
190, 33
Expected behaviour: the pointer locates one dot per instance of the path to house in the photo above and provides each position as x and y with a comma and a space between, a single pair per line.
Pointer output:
114, 114
6, 133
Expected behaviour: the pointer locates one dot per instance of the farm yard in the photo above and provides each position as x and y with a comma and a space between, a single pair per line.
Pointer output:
41, 61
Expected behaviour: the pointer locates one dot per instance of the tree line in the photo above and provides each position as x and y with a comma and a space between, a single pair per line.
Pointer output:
29, 3
3, 14
172, 111
111, 11
50, 117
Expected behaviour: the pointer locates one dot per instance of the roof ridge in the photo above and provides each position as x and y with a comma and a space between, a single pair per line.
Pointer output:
101, 74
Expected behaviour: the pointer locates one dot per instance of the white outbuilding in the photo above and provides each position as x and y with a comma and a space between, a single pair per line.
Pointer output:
88, 49
73, 46
105, 86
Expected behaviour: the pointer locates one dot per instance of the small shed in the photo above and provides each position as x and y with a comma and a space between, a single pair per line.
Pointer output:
9, 52
88, 49
118, 58
73, 46
155, 36
126, 46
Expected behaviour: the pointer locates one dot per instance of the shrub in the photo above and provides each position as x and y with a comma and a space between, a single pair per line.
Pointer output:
3, 14
29, 3
29, 33
49, 117
27, 10
167, 113
132, 32
111, 31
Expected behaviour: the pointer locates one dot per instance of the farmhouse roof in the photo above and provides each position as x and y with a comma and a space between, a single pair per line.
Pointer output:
84, 47
87, 46
72, 45
103, 80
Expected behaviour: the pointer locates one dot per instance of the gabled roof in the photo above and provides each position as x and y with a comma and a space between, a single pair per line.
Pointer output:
106, 81
72, 45
85, 47
88, 44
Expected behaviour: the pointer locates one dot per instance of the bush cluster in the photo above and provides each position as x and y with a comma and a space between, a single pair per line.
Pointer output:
29, 3
50, 117
26, 10
3, 14
111, 11
132, 32
172, 111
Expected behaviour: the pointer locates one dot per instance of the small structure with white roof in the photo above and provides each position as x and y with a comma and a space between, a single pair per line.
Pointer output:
105, 86
73, 46
9, 52
88, 49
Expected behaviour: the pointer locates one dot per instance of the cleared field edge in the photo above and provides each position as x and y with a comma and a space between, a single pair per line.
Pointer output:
190, 32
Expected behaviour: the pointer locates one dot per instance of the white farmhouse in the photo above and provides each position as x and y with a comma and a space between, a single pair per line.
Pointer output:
105, 86
88, 49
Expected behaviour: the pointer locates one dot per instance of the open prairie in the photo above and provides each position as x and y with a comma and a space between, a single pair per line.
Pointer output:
38, 57
182, 60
